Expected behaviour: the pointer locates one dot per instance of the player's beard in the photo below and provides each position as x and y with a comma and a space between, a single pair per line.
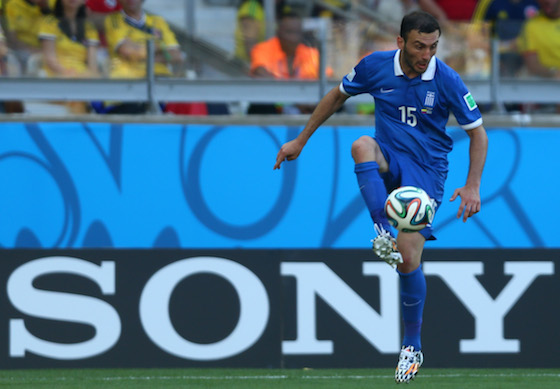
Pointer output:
410, 62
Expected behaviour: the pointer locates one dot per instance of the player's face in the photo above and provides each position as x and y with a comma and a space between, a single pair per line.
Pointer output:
417, 51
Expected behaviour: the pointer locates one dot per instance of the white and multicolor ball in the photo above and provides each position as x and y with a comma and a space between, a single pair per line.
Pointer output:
409, 209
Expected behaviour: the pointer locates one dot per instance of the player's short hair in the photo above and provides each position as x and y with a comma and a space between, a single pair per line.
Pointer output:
421, 21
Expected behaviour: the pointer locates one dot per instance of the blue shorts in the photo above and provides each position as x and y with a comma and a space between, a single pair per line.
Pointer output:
403, 171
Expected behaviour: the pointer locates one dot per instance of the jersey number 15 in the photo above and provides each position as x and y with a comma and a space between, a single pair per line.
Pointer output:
408, 115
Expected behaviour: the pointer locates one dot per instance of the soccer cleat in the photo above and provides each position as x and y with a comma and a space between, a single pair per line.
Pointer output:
385, 246
408, 365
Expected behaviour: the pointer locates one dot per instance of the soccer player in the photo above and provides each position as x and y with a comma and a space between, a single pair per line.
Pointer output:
414, 93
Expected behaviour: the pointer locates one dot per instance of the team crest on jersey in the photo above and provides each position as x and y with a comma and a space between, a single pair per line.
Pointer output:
430, 99
429, 102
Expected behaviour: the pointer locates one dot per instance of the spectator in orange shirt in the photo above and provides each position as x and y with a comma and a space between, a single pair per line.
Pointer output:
285, 56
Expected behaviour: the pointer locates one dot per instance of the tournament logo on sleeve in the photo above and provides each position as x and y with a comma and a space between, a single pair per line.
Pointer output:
470, 101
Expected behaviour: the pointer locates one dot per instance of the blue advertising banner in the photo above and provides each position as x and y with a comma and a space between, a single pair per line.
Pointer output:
103, 185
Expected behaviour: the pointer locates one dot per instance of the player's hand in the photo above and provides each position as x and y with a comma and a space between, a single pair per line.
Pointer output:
288, 152
470, 201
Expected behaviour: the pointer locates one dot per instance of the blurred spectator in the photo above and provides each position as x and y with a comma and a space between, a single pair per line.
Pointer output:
127, 34
393, 11
69, 41
540, 41
98, 11
7, 106
3, 62
378, 37
103, 7
343, 47
507, 18
323, 11
69, 45
464, 45
449, 10
285, 56
251, 26
3, 53
23, 18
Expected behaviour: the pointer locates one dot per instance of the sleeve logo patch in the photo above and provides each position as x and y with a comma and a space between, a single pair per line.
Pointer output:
470, 101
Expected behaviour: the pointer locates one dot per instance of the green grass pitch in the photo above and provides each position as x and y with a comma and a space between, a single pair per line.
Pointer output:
276, 378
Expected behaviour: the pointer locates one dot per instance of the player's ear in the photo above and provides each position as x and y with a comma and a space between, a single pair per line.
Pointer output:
400, 42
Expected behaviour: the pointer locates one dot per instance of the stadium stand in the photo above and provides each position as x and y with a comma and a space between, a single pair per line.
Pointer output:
205, 31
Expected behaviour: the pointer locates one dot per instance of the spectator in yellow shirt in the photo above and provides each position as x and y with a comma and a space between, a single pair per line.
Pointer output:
69, 45
127, 33
69, 41
23, 18
540, 41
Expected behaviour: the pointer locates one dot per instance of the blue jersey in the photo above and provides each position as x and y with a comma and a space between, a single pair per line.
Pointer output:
411, 114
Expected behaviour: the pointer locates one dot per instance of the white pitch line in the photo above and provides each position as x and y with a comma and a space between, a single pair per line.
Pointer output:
274, 377
190, 377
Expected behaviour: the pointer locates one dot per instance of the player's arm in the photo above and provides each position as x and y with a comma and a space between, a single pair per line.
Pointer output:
326, 107
470, 193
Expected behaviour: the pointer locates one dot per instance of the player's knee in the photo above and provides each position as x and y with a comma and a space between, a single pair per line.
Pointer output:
363, 149
411, 248
411, 260
408, 265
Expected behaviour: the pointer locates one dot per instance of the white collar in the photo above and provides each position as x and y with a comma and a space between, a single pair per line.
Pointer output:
137, 23
428, 75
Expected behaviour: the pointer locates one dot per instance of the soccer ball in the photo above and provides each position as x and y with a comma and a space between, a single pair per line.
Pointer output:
409, 209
